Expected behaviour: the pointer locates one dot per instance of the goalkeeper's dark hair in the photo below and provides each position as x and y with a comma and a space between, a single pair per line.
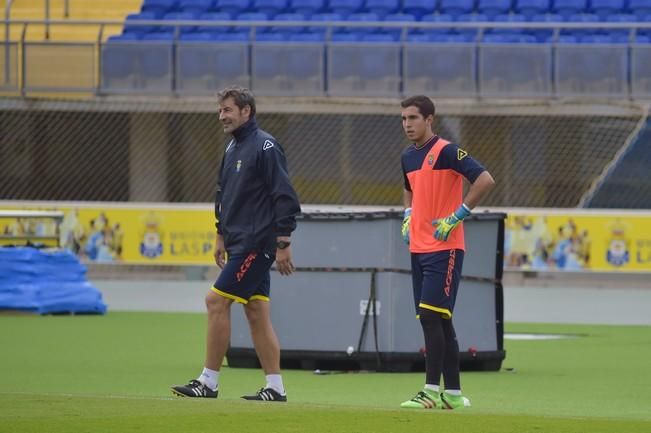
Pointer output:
241, 95
423, 103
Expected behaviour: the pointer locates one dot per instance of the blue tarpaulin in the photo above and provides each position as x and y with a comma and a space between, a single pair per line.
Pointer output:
46, 282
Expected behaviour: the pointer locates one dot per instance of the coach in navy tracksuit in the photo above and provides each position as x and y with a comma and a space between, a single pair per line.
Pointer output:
256, 208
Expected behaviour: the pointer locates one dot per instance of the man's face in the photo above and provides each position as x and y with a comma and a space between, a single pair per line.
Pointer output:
416, 127
231, 116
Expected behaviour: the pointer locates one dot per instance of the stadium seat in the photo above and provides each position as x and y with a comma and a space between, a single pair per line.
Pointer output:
142, 16
603, 8
235, 36
197, 7
159, 7
361, 18
306, 7
180, 16
289, 17
470, 18
570, 7
545, 35
269, 7
418, 8
491, 8
251, 16
397, 18
603, 39
270, 37
324, 17
380, 37
215, 16
345, 7
345, 37
619, 18
232, 6
640, 7
496, 38
508, 18
457, 7
529, 8
580, 18
156, 61
442, 18
307, 37
382, 7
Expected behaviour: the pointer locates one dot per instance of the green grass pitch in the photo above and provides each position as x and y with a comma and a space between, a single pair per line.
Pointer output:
112, 374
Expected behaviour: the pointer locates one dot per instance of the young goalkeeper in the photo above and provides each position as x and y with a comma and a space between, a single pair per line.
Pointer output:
434, 170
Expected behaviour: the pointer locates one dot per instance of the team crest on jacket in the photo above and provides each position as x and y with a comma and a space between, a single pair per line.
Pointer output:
238, 166
430, 159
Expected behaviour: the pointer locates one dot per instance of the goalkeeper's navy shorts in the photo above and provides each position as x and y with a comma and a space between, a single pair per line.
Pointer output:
436, 278
245, 277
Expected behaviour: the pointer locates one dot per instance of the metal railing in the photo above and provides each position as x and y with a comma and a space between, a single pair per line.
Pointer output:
330, 28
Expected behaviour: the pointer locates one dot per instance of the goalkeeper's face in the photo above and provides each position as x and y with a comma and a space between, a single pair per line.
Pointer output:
417, 128
231, 116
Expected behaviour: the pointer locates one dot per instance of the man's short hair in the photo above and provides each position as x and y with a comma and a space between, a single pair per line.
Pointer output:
241, 95
423, 103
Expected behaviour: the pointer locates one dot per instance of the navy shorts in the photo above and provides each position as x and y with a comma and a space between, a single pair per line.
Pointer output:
436, 280
245, 277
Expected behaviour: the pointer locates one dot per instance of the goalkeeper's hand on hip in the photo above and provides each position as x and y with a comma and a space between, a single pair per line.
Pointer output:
406, 220
444, 226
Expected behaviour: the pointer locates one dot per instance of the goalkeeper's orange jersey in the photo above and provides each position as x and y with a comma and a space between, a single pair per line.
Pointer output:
434, 174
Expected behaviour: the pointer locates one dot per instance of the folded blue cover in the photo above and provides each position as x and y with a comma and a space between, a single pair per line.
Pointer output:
46, 282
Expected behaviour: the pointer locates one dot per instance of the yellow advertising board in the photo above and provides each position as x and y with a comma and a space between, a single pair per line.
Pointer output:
136, 235
563, 239
604, 241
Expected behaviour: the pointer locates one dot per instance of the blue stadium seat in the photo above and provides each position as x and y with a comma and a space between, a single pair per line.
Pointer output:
496, 38
307, 37
529, 8
232, 6
159, 7
604, 8
346, 7
509, 18
236, 36
362, 17
251, 16
270, 37
324, 17
470, 18
215, 16
345, 37
142, 16
419, 8
196, 6
269, 7
580, 18
397, 18
457, 7
382, 7
492, 8
570, 7
442, 18
603, 39
307, 7
640, 7
180, 16
380, 37
289, 17
545, 35
620, 18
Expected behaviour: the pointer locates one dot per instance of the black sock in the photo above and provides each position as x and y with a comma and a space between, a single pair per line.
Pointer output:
434, 345
451, 359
